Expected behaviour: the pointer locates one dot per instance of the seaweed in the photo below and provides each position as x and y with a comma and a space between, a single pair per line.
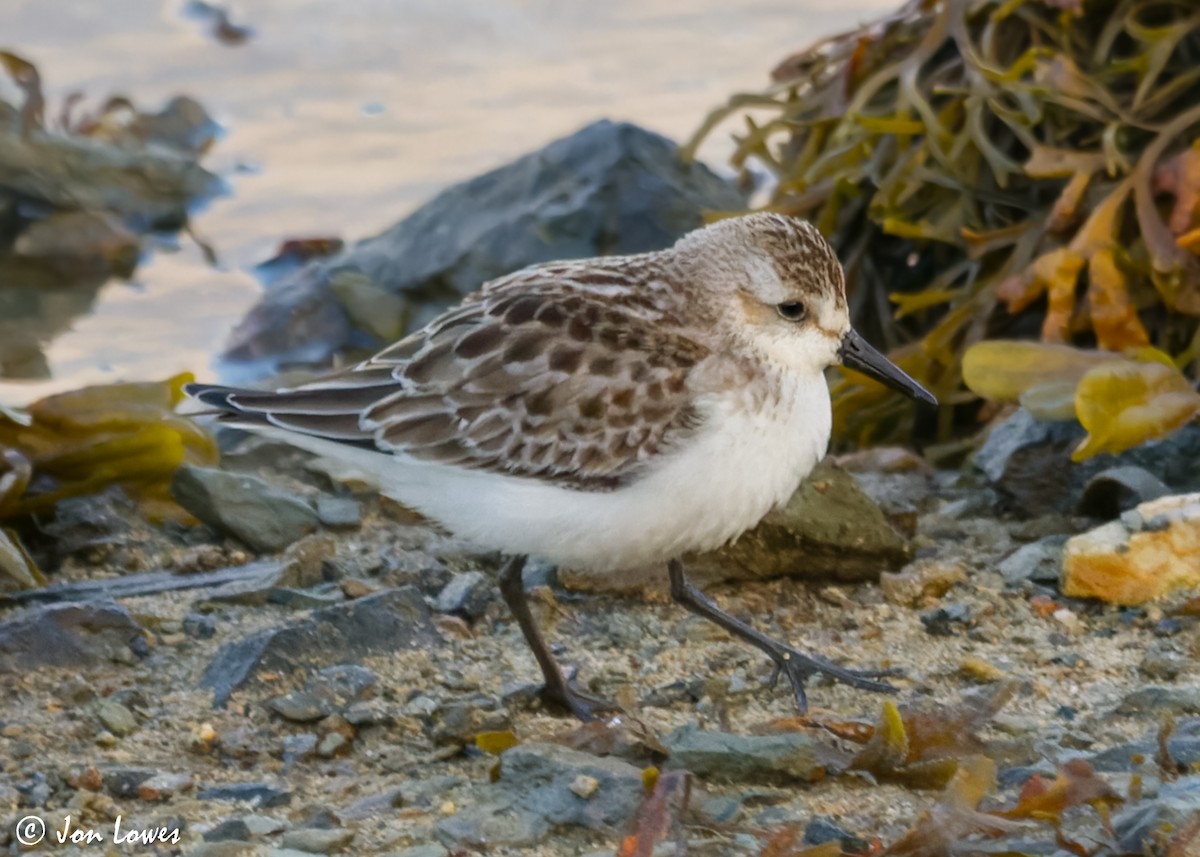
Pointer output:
81, 442
994, 169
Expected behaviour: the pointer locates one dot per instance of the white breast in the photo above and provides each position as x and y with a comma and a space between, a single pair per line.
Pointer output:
734, 470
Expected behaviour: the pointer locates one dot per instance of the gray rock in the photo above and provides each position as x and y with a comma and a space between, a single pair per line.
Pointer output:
231, 829
491, 825
116, 718
1040, 561
383, 622
432, 850
67, 635
262, 795
468, 594
1029, 463
123, 781
315, 840
1161, 701
744, 758
1143, 825
339, 511
264, 517
298, 706
542, 775
611, 188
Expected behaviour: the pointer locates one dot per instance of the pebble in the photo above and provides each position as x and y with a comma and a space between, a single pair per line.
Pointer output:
116, 718
946, 621
430, 850
584, 786
1039, 561
230, 829
338, 512
468, 593
315, 840
257, 794
744, 758
164, 786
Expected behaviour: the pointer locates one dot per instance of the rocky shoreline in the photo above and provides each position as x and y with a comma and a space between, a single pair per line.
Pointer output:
346, 679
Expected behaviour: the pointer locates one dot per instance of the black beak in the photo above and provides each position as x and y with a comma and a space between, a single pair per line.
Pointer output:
858, 354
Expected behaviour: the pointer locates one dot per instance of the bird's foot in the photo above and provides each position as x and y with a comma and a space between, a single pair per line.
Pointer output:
798, 667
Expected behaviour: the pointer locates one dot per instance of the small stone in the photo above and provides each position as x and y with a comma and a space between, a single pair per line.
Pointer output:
231, 829
744, 758
468, 593
584, 786
227, 848
315, 840
946, 621
1120, 566
1040, 561
298, 706
339, 511
297, 748
116, 718
333, 744
164, 786
199, 626
921, 582
263, 825
123, 782
255, 794
430, 850
1159, 663
264, 517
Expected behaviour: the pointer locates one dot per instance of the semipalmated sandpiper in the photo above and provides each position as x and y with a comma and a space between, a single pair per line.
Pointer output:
605, 413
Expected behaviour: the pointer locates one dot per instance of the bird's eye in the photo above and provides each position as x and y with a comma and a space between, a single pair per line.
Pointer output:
792, 310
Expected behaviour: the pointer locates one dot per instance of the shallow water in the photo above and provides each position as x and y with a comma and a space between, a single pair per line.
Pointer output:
342, 117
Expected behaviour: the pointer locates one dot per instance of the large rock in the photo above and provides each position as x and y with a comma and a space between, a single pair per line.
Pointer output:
1029, 462
67, 635
611, 188
264, 517
1151, 551
384, 622
786, 757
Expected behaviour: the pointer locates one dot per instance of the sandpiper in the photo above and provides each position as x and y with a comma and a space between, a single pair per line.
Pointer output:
606, 413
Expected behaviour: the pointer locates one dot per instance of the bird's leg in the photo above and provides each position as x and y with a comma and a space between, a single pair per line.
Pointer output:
556, 690
796, 665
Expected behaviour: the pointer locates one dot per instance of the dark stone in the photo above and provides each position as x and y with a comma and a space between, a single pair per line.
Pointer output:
135, 585
1161, 701
199, 626
823, 829
264, 517
611, 188
121, 782
229, 830
262, 795
946, 621
383, 622
1029, 463
66, 635
468, 594
1039, 561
